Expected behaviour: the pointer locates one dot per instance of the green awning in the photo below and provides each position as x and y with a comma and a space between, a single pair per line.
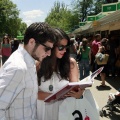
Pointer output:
20, 37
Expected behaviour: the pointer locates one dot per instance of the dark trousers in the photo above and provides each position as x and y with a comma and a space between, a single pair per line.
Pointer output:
4, 58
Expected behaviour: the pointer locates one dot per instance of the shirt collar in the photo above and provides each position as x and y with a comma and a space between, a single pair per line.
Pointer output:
27, 57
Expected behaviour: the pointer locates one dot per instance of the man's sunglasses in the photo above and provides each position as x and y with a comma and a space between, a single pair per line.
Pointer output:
62, 47
46, 47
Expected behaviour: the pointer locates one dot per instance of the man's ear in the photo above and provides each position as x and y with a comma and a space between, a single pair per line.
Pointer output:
31, 42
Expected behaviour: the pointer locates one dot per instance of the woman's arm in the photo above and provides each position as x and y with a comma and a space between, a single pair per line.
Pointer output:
42, 95
74, 77
74, 72
101, 49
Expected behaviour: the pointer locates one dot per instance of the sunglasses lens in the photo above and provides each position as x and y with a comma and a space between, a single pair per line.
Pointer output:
61, 47
47, 49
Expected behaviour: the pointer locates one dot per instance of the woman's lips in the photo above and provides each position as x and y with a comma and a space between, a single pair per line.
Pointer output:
62, 54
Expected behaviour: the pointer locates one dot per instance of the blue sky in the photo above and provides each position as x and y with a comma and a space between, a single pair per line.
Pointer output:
35, 10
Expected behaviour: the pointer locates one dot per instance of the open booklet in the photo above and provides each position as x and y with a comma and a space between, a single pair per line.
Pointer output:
86, 82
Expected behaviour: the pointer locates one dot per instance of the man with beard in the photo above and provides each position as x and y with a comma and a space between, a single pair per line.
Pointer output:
18, 77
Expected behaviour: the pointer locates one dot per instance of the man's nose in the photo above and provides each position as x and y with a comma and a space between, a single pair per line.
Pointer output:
48, 53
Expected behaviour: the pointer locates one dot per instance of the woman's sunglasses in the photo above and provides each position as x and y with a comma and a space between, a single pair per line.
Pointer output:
62, 47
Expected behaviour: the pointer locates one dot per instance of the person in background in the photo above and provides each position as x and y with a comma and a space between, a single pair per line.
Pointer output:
104, 50
5, 49
117, 64
94, 49
73, 48
90, 40
112, 56
18, 77
84, 63
14, 44
55, 72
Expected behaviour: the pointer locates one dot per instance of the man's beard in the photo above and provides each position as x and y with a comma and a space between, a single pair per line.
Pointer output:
34, 51
35, 57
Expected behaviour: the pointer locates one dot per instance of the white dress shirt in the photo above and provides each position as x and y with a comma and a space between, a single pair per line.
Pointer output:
18, 87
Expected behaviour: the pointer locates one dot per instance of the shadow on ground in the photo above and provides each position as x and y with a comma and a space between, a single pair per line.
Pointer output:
114, 82
102, 88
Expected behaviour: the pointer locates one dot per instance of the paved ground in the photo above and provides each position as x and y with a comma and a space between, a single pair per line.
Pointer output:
101, 96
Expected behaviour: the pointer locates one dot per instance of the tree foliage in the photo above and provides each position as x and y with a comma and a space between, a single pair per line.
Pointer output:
10, 22
86, 8
60, 16
98, 6
83, 8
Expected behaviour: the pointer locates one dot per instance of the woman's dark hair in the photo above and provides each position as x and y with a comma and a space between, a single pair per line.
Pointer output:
104, 42
52, 64
8, 40
40, 31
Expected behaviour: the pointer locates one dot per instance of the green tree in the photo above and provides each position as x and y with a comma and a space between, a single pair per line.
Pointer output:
98, 6
62, 17
86, 8
23, 27
9, 18
83, 8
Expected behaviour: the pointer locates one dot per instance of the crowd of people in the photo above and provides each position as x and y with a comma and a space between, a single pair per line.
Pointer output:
42, 65
87, 49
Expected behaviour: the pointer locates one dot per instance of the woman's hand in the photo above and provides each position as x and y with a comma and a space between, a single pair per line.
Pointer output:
75, 94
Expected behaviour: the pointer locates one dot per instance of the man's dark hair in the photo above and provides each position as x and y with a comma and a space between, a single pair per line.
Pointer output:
97, 35
40, 31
